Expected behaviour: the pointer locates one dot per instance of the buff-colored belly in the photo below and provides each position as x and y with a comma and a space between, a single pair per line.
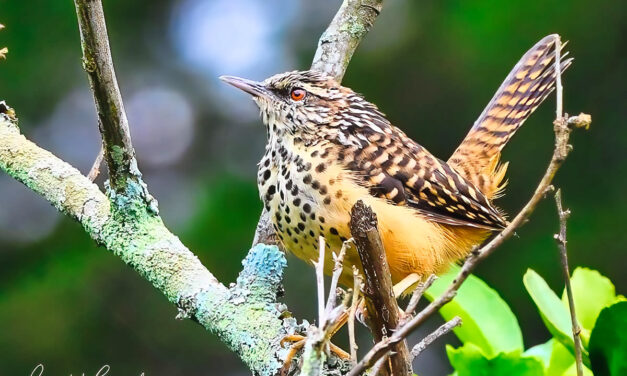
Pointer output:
412, 243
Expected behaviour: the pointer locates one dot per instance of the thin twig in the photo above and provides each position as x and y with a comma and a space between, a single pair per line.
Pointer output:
357, 281
439, 332
374, 371
561, 242
559, 112
95, 168
338, 268
320, 281
417, 294
112, 121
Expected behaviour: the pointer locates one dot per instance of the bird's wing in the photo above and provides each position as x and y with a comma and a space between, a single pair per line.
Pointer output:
394, 167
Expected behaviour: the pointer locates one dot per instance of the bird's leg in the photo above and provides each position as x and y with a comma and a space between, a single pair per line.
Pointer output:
399, 289
298, 342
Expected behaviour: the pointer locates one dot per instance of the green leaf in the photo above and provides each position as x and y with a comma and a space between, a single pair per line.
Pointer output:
608, 341
542, 352
469, 360
557, 360
487, 321
555, 316
592, 292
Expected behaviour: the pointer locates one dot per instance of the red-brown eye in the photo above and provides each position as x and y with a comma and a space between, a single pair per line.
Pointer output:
298, 94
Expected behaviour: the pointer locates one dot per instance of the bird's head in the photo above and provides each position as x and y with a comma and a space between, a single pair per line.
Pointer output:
295, 102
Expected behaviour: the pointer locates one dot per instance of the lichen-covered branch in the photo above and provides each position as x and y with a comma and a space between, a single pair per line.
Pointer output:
97, 62
340, 40
245, 317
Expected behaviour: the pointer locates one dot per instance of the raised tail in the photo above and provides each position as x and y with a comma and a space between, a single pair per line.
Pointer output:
524, 89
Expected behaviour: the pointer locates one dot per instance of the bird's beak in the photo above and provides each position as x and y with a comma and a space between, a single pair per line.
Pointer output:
253, 88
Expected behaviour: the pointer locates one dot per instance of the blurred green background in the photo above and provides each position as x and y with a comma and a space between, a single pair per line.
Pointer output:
430, 65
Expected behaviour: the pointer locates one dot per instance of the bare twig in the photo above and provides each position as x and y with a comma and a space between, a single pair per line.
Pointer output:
357, 281
439, 332
383, 312
417, 294
340, 40
320, 282
561, 242
97, 62
95, 168
338, 268
376, 369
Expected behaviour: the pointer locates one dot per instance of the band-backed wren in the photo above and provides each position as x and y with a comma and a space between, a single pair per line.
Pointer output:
329, 147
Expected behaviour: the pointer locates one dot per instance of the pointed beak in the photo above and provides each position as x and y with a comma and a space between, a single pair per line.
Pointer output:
253, 88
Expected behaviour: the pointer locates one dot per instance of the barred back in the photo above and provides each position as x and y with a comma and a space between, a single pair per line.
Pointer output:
531, 80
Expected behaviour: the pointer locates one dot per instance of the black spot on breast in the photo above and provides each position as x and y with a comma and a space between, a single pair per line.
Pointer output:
301, 226
271, 190
321, 219
307, 179
296, 201
288, 185
321, 167
327, 200
323, 190
266, 175
307, 208
333, 231
315, 184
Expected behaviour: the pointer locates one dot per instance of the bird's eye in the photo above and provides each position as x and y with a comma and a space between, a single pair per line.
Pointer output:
298, 94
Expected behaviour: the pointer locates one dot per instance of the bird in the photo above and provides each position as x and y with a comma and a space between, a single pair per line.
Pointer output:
328, 147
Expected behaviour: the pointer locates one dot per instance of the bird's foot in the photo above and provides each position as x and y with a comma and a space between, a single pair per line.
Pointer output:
298, 342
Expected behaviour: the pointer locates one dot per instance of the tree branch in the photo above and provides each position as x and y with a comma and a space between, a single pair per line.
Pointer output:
97, 62
340, 40
561, 242
245, 317
383, 312
439, 332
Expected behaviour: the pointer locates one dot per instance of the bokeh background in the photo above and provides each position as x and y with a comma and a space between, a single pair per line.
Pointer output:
430, 65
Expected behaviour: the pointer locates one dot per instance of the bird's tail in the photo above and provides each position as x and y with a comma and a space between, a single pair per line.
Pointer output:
524, 89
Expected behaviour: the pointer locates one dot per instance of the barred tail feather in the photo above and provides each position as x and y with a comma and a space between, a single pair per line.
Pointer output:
531, 80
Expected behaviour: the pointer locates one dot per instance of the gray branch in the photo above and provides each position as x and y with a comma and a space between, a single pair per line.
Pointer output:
97, 62
340, 40
245, 317
561, 242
